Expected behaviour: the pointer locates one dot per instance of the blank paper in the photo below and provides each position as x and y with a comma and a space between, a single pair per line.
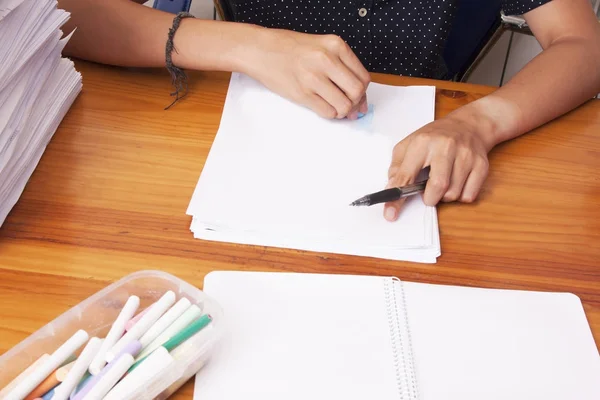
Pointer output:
279, 175
299, 337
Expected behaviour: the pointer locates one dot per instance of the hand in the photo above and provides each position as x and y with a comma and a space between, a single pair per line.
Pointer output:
456, 154
317, 71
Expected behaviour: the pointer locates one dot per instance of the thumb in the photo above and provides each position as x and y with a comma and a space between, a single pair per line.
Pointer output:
403, 170
391, 210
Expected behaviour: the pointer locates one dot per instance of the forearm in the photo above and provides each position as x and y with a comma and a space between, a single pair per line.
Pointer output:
124, 33
559, 79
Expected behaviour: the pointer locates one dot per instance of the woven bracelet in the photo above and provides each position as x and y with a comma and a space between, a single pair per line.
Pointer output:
178, 75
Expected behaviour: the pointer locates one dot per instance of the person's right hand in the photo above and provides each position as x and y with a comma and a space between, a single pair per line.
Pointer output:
320, 72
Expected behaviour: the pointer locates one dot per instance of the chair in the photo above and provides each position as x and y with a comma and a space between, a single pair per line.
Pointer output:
476, 28
223, 10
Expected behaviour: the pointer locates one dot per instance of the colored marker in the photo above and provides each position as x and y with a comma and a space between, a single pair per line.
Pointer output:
51, 382
110, 378
163, 322
63, 371
81, 385
49, 395
47, 385
78, 370
56, 360
158, 308
184, 320
194, 345
116, 331
23, 375
132, 349
135, 319
182, 336
152, 368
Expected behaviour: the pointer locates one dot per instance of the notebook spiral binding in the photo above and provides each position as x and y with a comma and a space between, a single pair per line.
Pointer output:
401, 339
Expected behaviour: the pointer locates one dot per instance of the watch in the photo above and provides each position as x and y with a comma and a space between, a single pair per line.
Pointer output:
173, 6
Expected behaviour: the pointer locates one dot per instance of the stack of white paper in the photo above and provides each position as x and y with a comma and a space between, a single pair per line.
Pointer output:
279, 175
37, 87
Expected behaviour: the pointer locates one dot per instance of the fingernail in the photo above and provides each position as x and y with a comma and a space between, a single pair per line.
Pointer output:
390, 214
364, 108
353, 115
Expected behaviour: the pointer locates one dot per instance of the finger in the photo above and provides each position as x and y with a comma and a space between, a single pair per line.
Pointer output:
440, 172
348, 57
460, 172
346, 70
347, 81
320, 106
335, 97
408, 162
363, 107
360, 110
474, 182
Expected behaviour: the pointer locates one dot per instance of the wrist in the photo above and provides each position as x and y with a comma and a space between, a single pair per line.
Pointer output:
250, 57
494, 119
215, 45
246, 56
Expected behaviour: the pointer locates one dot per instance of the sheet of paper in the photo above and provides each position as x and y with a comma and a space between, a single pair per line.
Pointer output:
474, 343
37, 88
299, 337
6, 6
279, 175
24, 31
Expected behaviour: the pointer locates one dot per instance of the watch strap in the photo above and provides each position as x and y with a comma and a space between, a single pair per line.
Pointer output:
173, 6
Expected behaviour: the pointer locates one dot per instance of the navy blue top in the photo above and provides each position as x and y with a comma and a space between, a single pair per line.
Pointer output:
404, 37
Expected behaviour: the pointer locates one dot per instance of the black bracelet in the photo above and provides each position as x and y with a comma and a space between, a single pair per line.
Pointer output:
178, 75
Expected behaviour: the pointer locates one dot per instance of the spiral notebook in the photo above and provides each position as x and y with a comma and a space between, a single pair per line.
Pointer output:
315, 336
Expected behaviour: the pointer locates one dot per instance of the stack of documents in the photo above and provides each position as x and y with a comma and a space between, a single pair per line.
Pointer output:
37, 87
279, 175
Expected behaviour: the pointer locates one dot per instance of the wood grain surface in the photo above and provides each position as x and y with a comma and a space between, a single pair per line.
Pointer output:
110, 194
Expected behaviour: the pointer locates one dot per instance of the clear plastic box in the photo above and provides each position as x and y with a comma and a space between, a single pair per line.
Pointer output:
96, 314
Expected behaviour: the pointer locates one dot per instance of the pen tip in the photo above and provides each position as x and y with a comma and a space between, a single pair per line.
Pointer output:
363, 201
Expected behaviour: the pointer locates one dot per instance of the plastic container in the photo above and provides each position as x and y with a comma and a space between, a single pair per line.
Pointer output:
96, 314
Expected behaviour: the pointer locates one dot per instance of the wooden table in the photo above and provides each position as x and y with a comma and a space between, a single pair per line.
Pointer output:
110, 194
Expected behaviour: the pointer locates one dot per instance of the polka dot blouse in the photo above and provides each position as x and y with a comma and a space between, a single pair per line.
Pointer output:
404, 37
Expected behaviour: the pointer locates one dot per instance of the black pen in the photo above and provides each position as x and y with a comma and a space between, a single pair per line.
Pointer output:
392, 194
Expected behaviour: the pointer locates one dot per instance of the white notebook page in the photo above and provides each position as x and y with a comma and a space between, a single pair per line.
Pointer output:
474, 344
301, 337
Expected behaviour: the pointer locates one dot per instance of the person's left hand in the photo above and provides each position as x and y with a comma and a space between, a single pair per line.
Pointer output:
456, 155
